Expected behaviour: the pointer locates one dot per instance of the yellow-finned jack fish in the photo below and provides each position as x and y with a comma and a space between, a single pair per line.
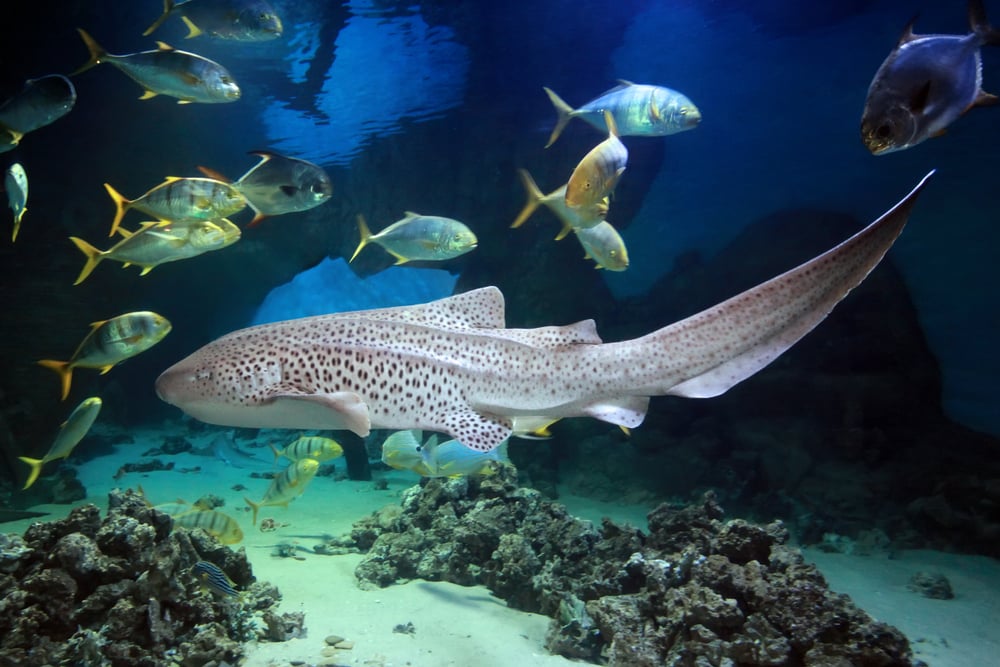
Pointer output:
179, 199
286, 486
925, 84
70, 434
111, 342
597, 174
452, 366
603, 244
214, 579
238, 20
404, 451
419, 237
168, 71
157, 243
556, 201
639, 110
218, 524
16, 183
310, 447
40, 102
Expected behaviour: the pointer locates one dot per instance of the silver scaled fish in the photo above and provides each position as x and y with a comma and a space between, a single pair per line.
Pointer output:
286, 486
419, 237
169, 71
313, 447
111, 342
603, 244
556, 202
218, 524
639, 110
157, 243
925, 84
237, 20
597, 174
181, 199
40, 102
71, 433
452, 366
16, 183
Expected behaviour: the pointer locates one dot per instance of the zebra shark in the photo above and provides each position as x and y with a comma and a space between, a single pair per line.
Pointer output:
453, 366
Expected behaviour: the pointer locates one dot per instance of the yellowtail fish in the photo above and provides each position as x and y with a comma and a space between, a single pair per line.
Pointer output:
168, 71
218, 524
110, 342
597, 174
40, 102
286, 486
16, 182
419, 237
70, 434
157, 243
402, 450
556, 201
212, 577
313, 447
639, 110
604, 245
9, 139
181, 199
237, 20
925, 84
278, 184
452, 365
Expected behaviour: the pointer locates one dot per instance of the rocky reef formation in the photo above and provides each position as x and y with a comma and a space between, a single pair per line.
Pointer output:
695, 590
120, 592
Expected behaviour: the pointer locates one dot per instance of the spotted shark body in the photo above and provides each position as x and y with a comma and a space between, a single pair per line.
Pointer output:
452, 366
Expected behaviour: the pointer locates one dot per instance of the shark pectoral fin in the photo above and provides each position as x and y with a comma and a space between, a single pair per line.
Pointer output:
477, 430
625, 411
337, 410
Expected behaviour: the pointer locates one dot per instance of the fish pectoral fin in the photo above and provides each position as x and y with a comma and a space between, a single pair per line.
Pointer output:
147, 94
336, 410
105, 369
625, 411
477, 430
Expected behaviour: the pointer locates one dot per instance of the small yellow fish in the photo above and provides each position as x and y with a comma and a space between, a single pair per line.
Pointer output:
310, 447
219, 525
598, 172
157, 243
419, 237
16, 183
556, 201
110, 342
605, 246
71, 433
181, 200
286, 486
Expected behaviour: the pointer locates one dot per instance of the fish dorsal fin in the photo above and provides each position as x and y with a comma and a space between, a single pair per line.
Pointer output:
481, 308
625, 83
163, 46
171, 179
410, 214
908, 34
211, 173
265, 156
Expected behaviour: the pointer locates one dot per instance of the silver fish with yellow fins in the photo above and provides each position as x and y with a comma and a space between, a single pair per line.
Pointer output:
180, 199
110, 342
286, 486
597, 174
70, 434
313, 447
925, 84
16, 184
218, 524
237, 20
419, 237
603, 244
157, 243
403, 450
458, 369
40, 102
168, 71
639, 110
556, 202
279, 184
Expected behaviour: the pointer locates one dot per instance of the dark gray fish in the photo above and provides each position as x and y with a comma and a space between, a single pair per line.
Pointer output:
237, 20
40, 102
225, 449
925, 84
212, 576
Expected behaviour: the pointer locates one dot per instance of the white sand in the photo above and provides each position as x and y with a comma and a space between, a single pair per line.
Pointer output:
455, 625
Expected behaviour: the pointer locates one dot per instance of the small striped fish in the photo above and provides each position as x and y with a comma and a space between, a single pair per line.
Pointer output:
286, 486
181, 200
310, 447
213, 578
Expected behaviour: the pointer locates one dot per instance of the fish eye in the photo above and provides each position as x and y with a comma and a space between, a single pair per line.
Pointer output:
883, 131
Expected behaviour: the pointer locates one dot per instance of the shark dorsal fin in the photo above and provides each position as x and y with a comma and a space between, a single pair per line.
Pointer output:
481, 308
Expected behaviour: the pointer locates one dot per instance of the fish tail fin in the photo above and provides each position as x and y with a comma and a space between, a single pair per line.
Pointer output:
563, 111
981, 25
534, 197
366, 235
63, 369
253, 506
17, 228
94, 257
36, 469
97, 51
277, 454
120, 204
168, 6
